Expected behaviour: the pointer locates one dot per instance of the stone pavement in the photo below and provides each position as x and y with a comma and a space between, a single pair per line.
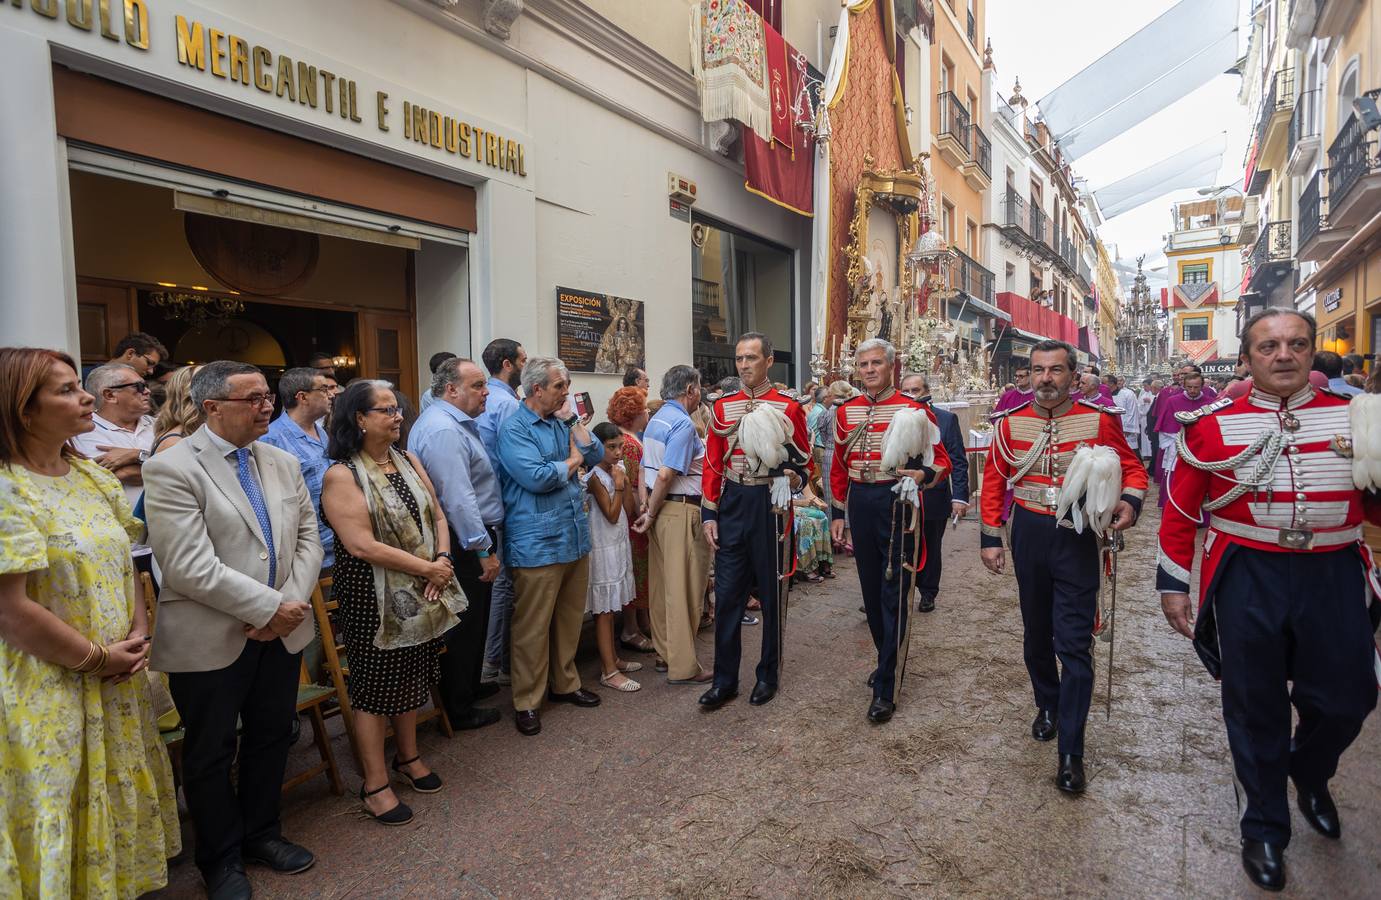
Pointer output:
646, 796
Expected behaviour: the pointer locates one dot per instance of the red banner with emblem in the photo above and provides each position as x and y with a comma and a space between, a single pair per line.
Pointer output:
783, 169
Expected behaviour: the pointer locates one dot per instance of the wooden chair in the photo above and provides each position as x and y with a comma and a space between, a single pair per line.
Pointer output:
338, 666
310, 698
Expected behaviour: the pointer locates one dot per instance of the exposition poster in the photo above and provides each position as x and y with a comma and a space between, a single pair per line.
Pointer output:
599, 333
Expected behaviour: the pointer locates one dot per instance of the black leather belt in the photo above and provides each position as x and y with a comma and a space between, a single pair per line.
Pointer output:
688, 499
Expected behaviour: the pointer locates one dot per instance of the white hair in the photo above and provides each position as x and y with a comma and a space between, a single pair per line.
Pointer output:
107, 376
538, 371
877, 344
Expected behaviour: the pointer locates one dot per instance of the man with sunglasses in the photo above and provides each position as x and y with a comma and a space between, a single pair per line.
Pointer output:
124, 432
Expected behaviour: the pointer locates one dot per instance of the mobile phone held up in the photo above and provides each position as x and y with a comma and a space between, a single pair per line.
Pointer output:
583, 406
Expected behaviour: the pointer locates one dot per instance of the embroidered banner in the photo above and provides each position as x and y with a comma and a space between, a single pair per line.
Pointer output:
1198, 351
1192, 296
783, 172
729, 62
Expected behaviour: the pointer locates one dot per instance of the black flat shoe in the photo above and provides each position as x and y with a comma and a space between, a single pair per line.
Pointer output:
229, 883
1070, 778
1319, 811
762, 693
717, 696
1043, 728
474, 717
926, 604
1264, 864
578, 697
881, 711
427, 784
399, 815
528, 721
279, 855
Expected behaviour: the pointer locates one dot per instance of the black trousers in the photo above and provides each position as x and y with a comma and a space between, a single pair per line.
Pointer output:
1057, 580
747, 560
464, 656
1282, 618
928, 585
258, 692
870, 523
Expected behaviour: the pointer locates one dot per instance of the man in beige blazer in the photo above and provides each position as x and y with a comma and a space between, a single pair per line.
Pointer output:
233, 529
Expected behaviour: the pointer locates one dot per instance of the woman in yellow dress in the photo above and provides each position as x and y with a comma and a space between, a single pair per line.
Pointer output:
87, 807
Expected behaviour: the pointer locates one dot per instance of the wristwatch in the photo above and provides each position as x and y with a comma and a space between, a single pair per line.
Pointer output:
483, 554
445, 553
143, 457
570, 423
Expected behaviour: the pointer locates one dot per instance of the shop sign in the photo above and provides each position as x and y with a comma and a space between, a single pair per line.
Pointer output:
1333, 299
599, 333
1219, 367
184, 43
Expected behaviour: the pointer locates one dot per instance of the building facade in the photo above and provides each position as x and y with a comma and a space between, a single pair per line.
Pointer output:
1204, 265
265, 181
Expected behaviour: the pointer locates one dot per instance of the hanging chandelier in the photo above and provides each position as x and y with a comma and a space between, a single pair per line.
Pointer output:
195, 308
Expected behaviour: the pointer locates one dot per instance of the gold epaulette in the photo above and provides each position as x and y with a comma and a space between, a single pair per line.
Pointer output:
1194, 415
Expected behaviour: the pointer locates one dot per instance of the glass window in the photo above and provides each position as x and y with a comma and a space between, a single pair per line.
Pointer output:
1196, 274
1194, 328
738, 283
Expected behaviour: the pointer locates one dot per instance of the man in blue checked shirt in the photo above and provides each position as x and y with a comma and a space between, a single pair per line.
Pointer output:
547, 542
504, 359
446, 437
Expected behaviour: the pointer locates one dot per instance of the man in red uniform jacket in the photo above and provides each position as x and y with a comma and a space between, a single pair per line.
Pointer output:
1057, 568
1284, 582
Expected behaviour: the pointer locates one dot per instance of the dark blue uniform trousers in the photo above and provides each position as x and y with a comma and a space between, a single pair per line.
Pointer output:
870, 523
1286, 617
747, 560
1057, 573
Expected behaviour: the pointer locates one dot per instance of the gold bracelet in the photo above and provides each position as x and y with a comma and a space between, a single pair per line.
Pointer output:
86, 660
105, 658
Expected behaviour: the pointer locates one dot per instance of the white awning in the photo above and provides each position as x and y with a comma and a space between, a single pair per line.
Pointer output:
1182, 50
1193, 167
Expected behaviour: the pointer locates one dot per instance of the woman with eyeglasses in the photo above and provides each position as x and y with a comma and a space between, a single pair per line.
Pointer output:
87, 803
396, 586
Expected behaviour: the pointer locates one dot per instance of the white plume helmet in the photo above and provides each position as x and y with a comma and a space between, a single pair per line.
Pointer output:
1092, 487
1365, 414
909, 434
763, 434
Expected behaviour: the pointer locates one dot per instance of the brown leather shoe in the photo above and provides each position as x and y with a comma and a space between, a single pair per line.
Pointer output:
578, 697
528, 721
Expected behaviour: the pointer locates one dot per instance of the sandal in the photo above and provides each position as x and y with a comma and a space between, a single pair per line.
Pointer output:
398, 815
427, 784
625, 666
641, 645
627, 686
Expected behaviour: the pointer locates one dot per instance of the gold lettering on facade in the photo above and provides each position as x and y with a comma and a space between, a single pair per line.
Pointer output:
306, 84
465, 139
419, 125
407, 121
239, 59
107, 24
47, 8
435, 120
328, 89
191, 44
503, 153
343, 84
263, 59
285, 78
522, 166
216, 40
381, 109
491, 141
354, 102
448, 128
137, 24
79, 14
479, 144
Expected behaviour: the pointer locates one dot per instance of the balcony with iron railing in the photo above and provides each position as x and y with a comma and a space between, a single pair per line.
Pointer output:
1272, 257
983, 151
1280, 98
973, 279
1313, 212
1040, 226
1015, 214
1354, 173
972, 30
952, 130
978, 168
1303, 142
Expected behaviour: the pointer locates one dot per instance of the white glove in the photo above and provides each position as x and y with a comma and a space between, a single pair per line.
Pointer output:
781, 493
907, 491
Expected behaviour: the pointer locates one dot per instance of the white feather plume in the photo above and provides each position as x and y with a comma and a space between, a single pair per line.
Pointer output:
1092, 486
763, 434
1365, 414
909, 434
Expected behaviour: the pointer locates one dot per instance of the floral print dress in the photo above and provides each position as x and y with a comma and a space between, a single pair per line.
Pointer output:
87, 805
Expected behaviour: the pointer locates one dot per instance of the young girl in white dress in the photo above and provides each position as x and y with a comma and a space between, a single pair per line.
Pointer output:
611, 556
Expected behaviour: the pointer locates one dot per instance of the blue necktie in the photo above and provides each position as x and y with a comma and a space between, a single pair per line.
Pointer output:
256, 502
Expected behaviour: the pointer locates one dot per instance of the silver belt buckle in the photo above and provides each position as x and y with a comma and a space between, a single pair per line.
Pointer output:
1296, 538
1051, 497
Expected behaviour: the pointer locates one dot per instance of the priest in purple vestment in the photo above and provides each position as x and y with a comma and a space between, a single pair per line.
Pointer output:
1018, 395
1192, 395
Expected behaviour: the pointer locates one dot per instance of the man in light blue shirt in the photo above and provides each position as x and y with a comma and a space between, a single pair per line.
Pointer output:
307, 397
446, 438
504, 360
428, 398
1331, 365
541, 449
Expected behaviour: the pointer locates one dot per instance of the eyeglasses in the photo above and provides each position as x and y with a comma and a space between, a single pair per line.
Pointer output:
252, 399
327, 389
139, 387
389, 411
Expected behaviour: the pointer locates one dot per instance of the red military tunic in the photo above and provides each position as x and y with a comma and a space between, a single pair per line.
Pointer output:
1035, 473
858, 428
1306, 503
724, 459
